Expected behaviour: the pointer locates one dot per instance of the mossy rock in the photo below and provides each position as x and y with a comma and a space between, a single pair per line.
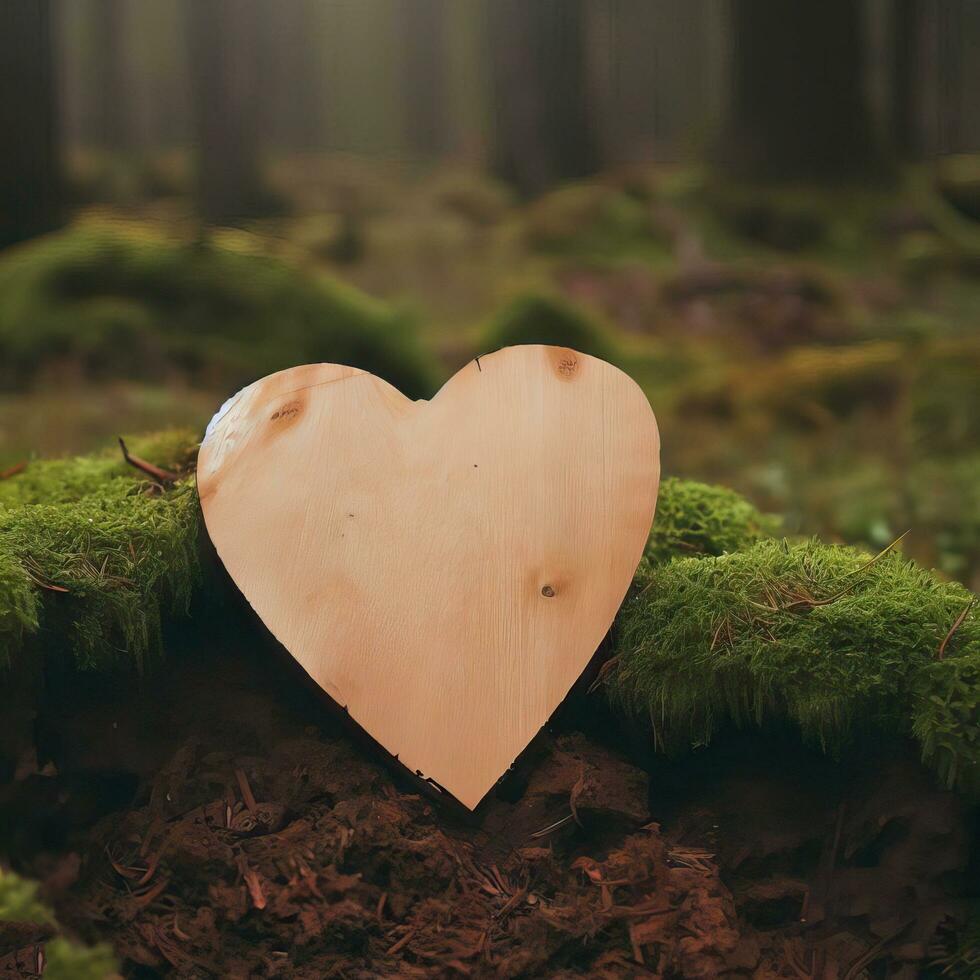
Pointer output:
536, 318
698, 519
817, 635
110, 304
95, 551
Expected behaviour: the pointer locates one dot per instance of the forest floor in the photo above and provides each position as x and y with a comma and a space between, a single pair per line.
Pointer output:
218, 819
213, 817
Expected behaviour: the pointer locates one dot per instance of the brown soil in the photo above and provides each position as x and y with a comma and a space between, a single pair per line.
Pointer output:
219, 822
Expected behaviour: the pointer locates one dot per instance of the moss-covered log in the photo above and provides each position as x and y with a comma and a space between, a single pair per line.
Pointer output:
697, 519
727, 625
823, 636
94, 550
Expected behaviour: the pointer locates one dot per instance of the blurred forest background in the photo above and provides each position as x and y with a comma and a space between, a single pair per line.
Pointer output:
767, 212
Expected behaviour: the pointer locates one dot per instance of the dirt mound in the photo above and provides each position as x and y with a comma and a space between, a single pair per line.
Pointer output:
308, 862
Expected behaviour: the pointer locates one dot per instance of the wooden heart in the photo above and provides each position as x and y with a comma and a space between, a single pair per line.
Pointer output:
444, 569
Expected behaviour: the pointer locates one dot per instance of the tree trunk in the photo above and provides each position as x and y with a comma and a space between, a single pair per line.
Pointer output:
30, 178
291, 69
798, 104
223, 48
907, 84
425, 95
111, 118
543, 130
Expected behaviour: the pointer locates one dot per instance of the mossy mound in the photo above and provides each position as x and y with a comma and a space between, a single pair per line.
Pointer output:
94, 550
590, 218
697, 519
113, 304
815, 634
539, 319
20, 909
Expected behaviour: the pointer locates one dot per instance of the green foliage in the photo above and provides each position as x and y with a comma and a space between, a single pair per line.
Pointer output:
811, 633
696, 519
540, 319
19, 901
64, 960
116, 304
102, 546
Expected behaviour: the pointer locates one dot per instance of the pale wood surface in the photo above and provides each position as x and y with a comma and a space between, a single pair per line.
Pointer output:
444, 569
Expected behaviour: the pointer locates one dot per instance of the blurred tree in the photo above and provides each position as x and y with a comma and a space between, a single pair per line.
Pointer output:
290, 66
425, 82
653, 73
907, 83
543, 128
935, 82
798, 104
223, 38
111, 118
30, 179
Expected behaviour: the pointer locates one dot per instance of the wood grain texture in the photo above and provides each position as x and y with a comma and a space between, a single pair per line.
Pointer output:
445, 569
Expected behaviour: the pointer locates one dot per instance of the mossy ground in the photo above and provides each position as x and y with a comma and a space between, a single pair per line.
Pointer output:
726, 625
541, 319
113, 301
93, 552
840, 645
696, 519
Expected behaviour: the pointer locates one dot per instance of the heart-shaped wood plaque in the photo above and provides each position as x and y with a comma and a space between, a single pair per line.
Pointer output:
444, 569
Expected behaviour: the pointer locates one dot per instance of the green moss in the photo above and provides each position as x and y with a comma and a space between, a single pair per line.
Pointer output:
60, 481
696, 519
130, 305
946, 717
589, 218
808, 633
19, 602
64, 960
540, 319
93, 549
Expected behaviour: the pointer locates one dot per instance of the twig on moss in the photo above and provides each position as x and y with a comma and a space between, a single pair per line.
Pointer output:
807, 601
13, 470
941, 652
604, 671
158, 474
